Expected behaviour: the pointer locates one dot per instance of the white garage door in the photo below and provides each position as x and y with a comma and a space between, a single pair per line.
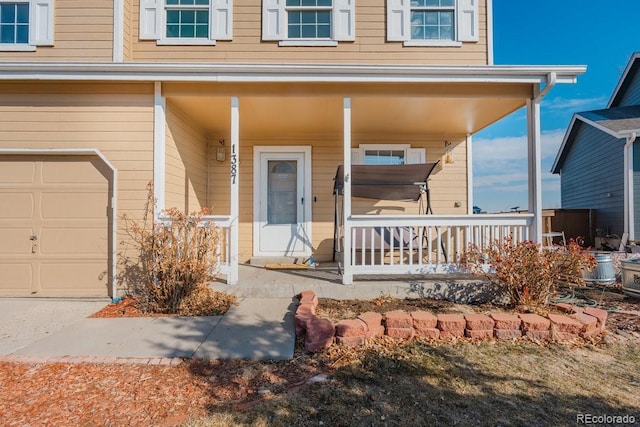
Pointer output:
53, 226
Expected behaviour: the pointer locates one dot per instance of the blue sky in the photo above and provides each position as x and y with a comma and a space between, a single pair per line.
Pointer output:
600, 35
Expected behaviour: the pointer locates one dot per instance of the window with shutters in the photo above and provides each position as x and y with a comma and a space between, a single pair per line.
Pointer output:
186, 22
25, 24
308, 22
432, 22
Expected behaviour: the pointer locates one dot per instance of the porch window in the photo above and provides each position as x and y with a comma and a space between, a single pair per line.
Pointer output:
384, 157
387, 154
25, 24
432, 22
432, 19
186, 22
308, 22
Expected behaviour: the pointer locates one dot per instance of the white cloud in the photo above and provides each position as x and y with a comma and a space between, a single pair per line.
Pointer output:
575, 104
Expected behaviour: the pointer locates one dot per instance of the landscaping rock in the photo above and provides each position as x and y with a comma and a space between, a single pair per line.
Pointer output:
306, 309
449, 322
372, 319
376, 331
534, 322
568, 308
431, 333
563, 323
506, 321
398, 319
507, 334
320, 333
309, 297
599, 314
479, 322
403, 333
538, 334
351, 328
351, 341
589, 324
424, 319
478, 333
451, 333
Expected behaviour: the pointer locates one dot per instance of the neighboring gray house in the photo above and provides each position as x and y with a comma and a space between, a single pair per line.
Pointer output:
599, 159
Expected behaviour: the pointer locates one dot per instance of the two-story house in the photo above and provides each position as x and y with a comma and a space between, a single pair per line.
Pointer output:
248, 107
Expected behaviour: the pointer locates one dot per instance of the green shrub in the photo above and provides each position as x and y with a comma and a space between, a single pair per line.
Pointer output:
527, 272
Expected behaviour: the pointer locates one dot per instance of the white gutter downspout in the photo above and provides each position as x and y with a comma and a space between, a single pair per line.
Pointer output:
629, 217
535, 156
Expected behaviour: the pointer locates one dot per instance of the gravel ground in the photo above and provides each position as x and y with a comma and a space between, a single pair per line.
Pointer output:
25, 320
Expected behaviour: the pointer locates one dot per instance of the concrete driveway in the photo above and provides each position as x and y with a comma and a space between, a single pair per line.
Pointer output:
25, 320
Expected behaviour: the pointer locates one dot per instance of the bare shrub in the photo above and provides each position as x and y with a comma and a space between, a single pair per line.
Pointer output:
177, 257
527, 272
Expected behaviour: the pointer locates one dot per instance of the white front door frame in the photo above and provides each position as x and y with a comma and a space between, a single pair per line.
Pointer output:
307, 194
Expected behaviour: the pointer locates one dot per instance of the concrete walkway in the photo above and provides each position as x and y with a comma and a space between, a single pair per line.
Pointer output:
258, 328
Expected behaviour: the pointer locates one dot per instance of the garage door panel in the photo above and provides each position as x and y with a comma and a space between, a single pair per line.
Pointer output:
74, 241
60, 276
71, 172
15, 241
16, 278
16, 205
56, 205
17, 172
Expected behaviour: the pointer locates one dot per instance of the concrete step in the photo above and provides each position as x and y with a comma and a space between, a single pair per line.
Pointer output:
261, 261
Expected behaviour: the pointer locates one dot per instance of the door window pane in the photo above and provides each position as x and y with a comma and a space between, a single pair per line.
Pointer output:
282, 188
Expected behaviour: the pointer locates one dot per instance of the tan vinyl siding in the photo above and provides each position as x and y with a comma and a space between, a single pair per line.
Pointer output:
127, 31
369, 47
83, 31
186, 163
116, 119
448, 184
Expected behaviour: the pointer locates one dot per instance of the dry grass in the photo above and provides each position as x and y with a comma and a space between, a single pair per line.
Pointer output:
416, 383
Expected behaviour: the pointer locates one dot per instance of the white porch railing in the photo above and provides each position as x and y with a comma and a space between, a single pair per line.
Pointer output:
425, 244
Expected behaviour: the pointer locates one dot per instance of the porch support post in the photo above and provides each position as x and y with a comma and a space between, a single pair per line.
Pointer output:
469, 175
232, 277
535, 172
347, 275
159, 149
629, 217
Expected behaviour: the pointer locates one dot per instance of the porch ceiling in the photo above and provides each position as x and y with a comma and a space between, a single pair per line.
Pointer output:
436, 109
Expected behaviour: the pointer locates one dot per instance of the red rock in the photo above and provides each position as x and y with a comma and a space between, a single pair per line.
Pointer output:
564, 336
599, 314
478, 333
319, 329
300, 331
307, 294
403, 333
424, 319
479, 322
376, 331
398, 319
507, 334
538, 335
592, 333
371, 319
301, 322
309, 297
451, 333
448, 322
351, 328
506, 321
431, 333
313, 346
589, 323
306, 308
534, 322
351, 341
563, 323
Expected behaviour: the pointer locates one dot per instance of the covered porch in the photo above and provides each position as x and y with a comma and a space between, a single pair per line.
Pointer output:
318, 119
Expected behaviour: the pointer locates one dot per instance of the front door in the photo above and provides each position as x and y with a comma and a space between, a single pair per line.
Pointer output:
284, 199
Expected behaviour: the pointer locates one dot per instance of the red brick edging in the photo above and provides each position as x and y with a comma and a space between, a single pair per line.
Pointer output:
321, 333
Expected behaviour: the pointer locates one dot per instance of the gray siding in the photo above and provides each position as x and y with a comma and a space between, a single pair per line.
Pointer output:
631, 95
636, 188
592, 178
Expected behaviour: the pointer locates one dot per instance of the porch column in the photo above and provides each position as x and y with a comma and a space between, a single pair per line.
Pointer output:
159, 149
347, 275
232, 277
469, 175
535, 173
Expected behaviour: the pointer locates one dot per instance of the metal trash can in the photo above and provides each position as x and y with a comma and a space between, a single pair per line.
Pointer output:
631, 276
603, 273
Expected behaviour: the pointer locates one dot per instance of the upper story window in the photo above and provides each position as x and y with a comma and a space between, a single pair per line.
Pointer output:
432, 22
25, 24
186, 22
308, 22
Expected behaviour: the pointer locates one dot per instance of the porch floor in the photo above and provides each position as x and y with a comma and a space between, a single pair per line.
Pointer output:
326, 282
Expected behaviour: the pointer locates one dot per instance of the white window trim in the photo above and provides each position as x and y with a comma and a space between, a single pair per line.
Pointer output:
433, 43
308, 42
40, 13
183, 41
176, 41
363, 148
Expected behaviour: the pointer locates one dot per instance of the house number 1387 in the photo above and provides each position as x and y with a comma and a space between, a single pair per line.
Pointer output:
234, 164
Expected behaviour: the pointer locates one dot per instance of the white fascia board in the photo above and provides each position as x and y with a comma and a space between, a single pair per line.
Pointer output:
614, 94
266, 73
603, 128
